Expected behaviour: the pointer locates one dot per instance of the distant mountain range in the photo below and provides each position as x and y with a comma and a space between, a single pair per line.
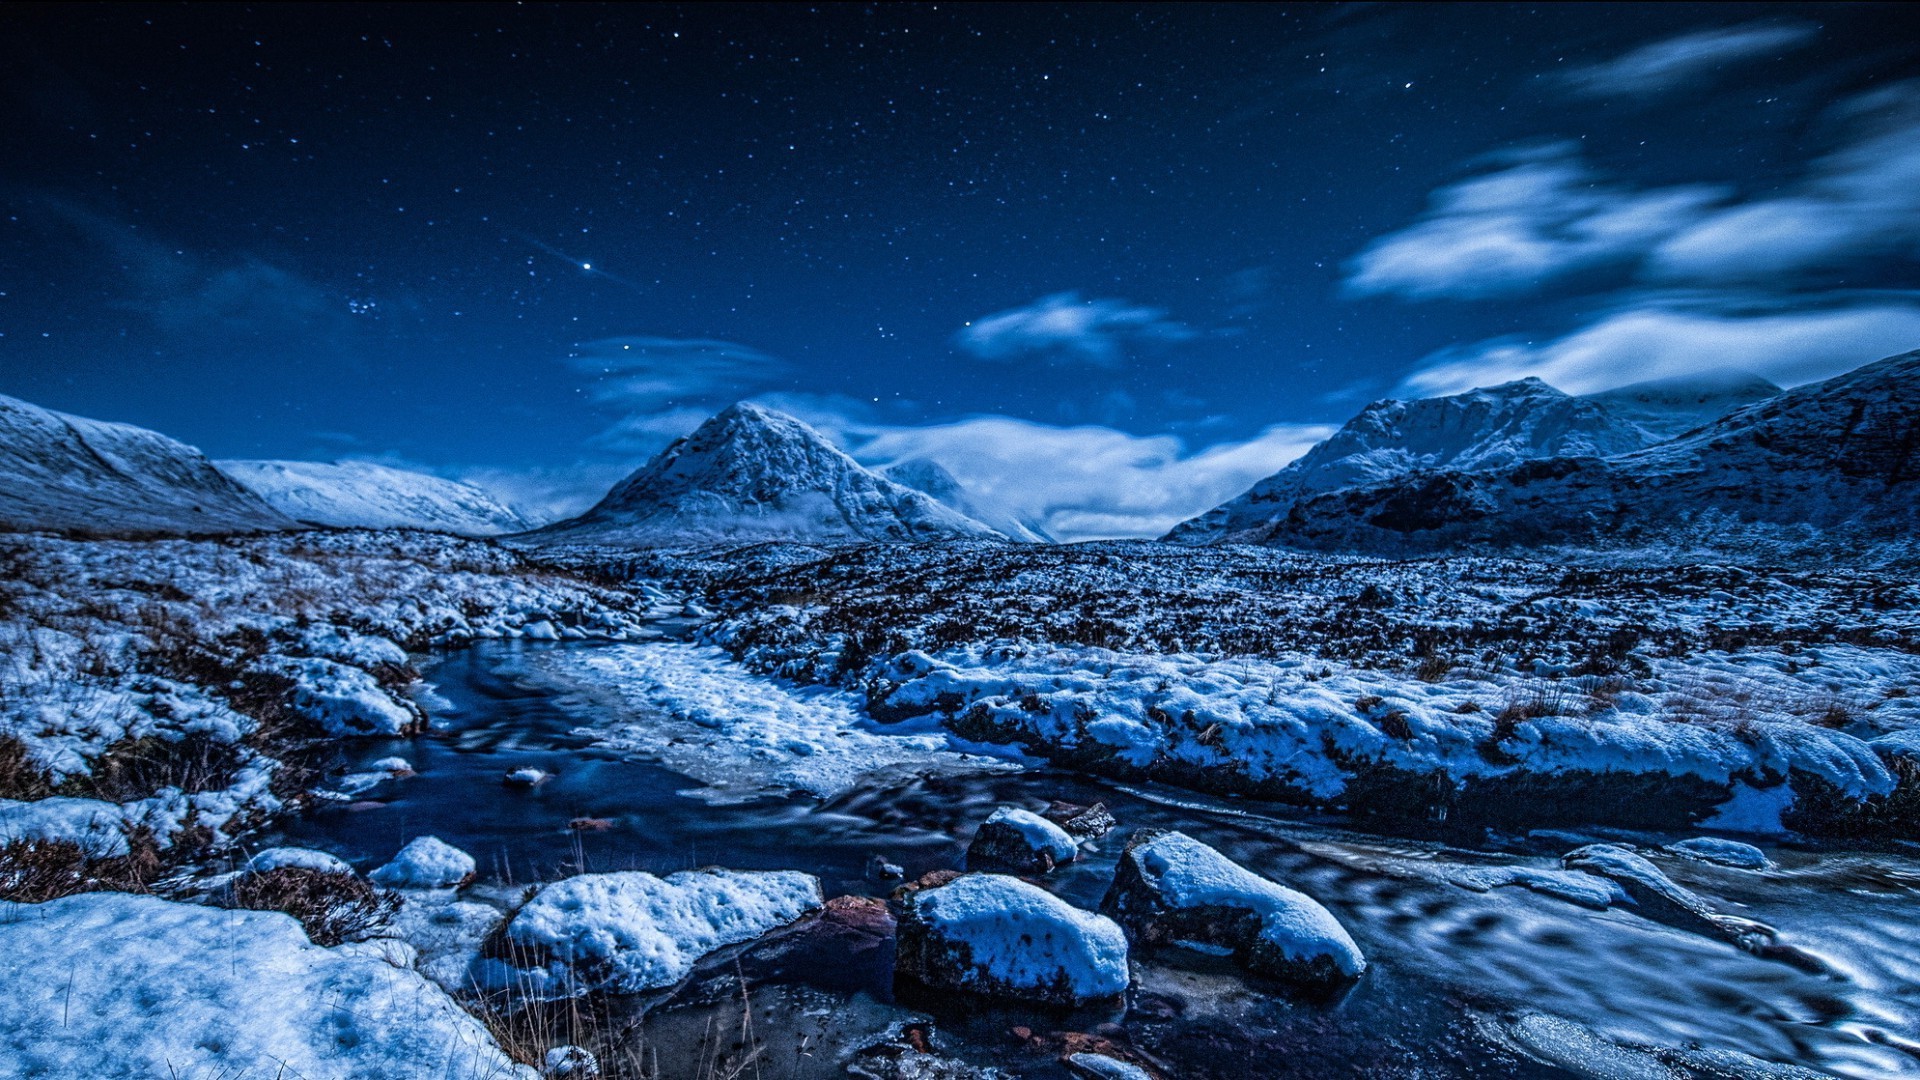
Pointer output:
360, 494
751, 473
1486, 428
1838, 457
60, 472
1512, 466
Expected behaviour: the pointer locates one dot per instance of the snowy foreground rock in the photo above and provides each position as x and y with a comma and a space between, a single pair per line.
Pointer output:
1021, 841
631, 931
999, 936
427, 862
115, 985
1171, 888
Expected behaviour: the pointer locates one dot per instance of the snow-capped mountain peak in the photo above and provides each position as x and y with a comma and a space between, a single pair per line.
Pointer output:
61, 472
1482, 428
751, 473
1667, 408
360, 494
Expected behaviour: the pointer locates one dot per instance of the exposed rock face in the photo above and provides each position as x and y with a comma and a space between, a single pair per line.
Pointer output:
1083, 823
60, 472
1486, 428
1020, 841
1834, 459
362, 495
1001, 937
751, 474
929, 476
1172, 888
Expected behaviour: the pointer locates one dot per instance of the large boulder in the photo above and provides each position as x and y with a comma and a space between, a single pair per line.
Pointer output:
631, 931
1001, 937
1020, 841
1171, 888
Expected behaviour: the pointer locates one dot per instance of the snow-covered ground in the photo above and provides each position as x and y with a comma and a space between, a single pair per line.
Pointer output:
744, 736
151, 683
1425, 686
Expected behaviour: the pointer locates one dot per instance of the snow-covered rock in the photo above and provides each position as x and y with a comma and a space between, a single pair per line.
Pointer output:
1102, 1067
999, 936
345, 700
570, 1063
751, 473
1723, 852
277, 858
1021, 841
1171, 888
112, 985
362, 495
427, 862
1658, 897
67, 472
527, 776
1480, 429
631, 931
929, 476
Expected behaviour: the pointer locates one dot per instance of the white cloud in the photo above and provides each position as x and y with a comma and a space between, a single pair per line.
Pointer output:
1860, 202
1680, 61
1542, 216
1660, 340
1064, 327
1086, 483
664, 387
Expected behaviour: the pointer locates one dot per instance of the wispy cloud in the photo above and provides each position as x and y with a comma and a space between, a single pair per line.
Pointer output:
664, 387
1066, 328
1086, 483
1669, 337
1677, 62
1541, 216
1544, 215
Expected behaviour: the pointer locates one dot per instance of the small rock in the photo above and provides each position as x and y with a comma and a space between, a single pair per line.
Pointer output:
570, 1063
1021, 841
276, 858
1731, 853
1083, 823
1001, 937
879, 869
394, 766
526, 777
1172, 888
590, 824
427, 862
1101, 1067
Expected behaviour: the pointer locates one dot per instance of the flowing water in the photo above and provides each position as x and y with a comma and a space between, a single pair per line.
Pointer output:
1463, 983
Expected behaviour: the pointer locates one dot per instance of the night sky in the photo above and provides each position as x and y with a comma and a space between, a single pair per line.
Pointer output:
1107, 264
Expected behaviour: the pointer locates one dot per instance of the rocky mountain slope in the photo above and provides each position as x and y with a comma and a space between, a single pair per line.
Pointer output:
1836, 458
750, 473
1666, 408
1484, 428
360, 494
930, 477
60, 472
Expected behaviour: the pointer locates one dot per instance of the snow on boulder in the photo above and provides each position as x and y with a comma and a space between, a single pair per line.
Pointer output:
279, 858
999, 936
427, 862
631, 931
1722, 852
1172, 888
113, 985
344, 700
1021, 841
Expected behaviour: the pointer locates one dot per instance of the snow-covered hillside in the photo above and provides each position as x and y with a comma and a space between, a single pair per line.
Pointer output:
362, 495
1667, 408
60, 472
1804, 468
1485, 428
751, 473
929, 476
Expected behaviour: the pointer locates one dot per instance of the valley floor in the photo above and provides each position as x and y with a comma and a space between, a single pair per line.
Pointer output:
163, 703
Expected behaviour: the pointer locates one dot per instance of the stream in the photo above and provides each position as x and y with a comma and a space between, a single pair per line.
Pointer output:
1463, 983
